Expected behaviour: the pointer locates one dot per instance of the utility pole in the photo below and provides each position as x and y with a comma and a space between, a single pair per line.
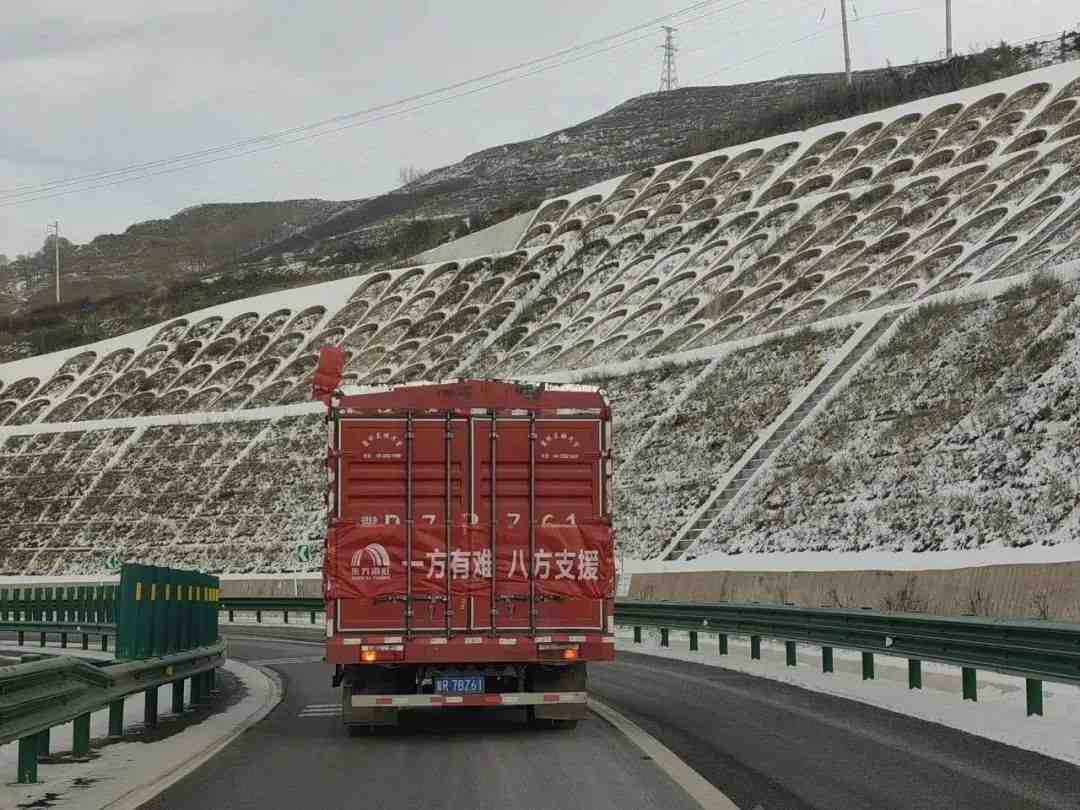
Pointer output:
847, 48
948, 29
55, 227
669, 77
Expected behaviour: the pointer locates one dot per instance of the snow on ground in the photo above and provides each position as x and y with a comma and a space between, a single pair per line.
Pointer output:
875, 560
130, 772
499, 238
999, 714
959, 432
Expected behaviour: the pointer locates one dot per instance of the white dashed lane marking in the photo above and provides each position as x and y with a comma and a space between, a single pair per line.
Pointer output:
320, 710
307, 659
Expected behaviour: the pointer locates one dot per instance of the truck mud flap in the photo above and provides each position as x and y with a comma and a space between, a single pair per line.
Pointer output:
370, 715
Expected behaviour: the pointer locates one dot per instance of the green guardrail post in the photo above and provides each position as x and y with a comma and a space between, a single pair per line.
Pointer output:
637, 635
664, 637
80, 742
969, 683
43, 743
721, 643
116, 718
826, 659
313, 617
1034, 697
914, 673
86, 641
171, 610
22, 637
3, 604
755, 648
43, 636
155, 618
232, 617
868, 666
693, 641
28, 760
178, 696
104, 643
258, 617
285, 616
790, 654
150, 709
196, 690
129, 596
63, 640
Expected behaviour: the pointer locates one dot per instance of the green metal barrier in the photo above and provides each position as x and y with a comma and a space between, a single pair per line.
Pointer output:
165, 610
85, 604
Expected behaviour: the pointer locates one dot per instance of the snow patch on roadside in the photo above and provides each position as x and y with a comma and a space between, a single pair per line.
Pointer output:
127, 774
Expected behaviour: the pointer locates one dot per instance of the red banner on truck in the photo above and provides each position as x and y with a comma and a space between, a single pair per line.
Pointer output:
570, 562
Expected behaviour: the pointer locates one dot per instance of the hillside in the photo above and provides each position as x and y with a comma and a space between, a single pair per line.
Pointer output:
217, 253
861, 335
158, 253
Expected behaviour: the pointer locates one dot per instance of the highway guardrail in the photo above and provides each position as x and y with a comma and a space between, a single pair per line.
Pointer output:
166, 625
38, 695
285, 605
1035, 650
1031, 649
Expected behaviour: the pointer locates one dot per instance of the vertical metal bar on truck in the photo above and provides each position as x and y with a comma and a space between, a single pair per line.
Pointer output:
449, 529
494, 438
532, 522
408, 522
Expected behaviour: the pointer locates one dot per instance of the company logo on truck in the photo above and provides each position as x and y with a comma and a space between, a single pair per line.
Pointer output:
560, 446
382, 445
371, 562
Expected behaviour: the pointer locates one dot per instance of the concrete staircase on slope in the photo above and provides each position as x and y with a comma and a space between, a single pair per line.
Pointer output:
720, 500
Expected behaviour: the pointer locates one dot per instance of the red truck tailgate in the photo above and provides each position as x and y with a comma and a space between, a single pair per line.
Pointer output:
436, 509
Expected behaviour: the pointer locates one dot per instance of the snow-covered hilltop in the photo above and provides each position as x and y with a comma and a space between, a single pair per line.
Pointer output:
779, 282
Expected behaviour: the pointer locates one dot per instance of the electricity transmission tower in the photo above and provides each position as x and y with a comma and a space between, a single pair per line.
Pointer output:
669, 76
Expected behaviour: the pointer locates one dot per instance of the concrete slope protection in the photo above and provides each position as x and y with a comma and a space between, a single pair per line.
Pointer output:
763, 257
761, 743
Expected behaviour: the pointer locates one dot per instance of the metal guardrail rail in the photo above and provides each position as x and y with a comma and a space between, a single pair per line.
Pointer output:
1031, 649
283, 604
62, 630
37, 695
165, 622
1035, 650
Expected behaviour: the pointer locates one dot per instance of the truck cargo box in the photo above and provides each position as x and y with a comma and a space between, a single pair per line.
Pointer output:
469, 524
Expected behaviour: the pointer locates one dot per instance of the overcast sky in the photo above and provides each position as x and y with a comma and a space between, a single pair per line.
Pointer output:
96, 87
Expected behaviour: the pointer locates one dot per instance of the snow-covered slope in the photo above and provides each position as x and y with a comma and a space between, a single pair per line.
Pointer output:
693, 256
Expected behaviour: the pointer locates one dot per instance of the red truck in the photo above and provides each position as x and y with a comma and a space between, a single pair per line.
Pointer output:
469, 557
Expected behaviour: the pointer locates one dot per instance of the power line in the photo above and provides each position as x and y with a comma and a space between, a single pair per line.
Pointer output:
807, 37
32, 192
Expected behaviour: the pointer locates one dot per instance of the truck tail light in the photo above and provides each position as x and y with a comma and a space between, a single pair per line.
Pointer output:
381, 652
556, 652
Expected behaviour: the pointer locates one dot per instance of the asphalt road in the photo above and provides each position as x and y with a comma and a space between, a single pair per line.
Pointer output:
300, 758
767, 745
776, 746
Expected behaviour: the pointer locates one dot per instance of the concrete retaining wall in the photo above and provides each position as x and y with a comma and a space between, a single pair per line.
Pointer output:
1049, 591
